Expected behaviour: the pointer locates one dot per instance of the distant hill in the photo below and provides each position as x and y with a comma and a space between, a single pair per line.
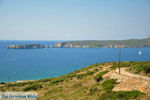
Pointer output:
131, 43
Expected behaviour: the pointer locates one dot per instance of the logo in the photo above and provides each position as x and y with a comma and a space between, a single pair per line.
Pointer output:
18, 96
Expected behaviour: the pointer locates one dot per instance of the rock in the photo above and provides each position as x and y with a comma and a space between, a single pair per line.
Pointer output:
60, 45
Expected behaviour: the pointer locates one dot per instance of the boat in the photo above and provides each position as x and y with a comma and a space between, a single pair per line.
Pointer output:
140, 52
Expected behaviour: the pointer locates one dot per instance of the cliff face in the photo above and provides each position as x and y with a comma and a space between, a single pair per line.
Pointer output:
60, 44
116, 46
69, 45
30, 46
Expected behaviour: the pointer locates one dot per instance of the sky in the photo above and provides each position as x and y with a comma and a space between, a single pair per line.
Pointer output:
74, 19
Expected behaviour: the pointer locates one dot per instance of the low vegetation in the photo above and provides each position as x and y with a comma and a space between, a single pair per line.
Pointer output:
121, 95
98, 77
108, 85
32, 87
142, 68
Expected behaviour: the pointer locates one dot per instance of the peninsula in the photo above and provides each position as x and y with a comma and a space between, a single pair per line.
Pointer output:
131, 43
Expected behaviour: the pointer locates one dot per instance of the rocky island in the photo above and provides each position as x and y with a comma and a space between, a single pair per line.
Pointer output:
29, 46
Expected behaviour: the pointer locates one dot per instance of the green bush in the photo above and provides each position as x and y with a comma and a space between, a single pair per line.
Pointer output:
137, 69
108, 85
2, 83
80, 76
103, 72
98, 78
146, 69
121, 95
70, 75
18, 84
128, 94
95, 70
45, 80
57, 80
89, 73
32, 87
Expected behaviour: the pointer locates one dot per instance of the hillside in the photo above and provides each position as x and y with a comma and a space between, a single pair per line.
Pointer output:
131, 43
95, 82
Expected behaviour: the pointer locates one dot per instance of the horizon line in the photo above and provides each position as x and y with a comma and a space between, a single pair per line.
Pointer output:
78, 40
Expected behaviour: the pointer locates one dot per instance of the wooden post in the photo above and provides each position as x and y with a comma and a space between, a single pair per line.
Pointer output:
119, 60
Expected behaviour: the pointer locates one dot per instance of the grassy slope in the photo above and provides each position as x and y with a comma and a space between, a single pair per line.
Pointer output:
82, 84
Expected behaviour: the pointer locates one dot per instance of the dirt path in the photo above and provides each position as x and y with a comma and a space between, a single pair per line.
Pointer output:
128, 81
124, 72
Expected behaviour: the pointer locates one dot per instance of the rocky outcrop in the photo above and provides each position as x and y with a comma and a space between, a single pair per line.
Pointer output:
68, 45
116, 46
60, 45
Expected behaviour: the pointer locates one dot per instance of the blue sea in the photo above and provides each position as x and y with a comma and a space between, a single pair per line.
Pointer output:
35, 64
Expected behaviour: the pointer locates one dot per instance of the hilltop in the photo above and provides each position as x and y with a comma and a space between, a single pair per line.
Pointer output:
99, 81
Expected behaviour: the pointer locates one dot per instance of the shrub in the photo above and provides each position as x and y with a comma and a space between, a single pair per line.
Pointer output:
121, 95
1, 83
45, 80
137, 69
57, 80
2, 90
80, 76
70, 75
32, 87
128, 94
89, 73
93, 90
98, 78
146, 69
95, 70
103, 72
108, 85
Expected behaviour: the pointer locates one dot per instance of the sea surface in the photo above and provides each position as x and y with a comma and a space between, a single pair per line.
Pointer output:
35, 64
